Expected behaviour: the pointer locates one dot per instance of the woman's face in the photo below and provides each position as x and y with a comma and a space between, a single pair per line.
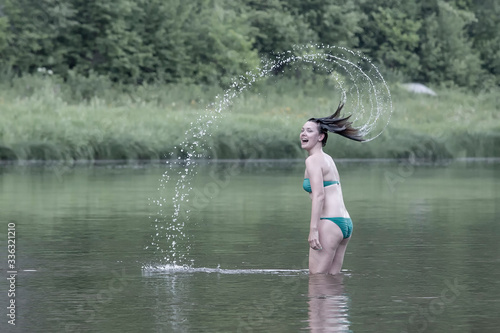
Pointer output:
310, 135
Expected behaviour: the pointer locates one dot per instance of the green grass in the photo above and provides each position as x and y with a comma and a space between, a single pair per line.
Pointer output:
44, 119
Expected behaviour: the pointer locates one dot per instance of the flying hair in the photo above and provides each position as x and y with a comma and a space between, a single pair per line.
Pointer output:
338, 125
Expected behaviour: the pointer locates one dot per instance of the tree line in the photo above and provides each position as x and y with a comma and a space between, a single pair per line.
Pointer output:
451, 42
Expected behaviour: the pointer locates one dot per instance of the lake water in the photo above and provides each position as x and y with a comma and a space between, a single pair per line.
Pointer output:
424, 256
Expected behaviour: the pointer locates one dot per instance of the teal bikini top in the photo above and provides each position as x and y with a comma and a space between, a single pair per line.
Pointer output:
307, 184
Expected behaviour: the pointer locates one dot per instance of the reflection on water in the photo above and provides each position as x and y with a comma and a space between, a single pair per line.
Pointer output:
328, 304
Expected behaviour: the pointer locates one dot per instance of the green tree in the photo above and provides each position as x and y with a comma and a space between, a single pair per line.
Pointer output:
486, 34
34, 33
390, 35
446, 54
211, 41
165, 40
4, 34
276, 29
220, 43
335, 22
102, 39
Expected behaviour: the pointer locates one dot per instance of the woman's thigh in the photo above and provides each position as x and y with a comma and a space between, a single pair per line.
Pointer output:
330, 236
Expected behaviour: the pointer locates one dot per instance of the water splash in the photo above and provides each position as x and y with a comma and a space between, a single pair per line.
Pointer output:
357, 82
176, 269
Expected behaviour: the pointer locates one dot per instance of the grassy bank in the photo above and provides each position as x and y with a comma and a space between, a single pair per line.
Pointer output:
42, 119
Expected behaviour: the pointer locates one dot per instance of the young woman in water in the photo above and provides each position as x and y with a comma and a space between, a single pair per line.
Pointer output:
331, 226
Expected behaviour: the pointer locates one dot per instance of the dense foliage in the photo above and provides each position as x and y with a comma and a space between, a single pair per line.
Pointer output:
450, 42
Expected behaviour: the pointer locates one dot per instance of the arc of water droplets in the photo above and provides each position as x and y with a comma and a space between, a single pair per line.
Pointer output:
170, 228
378, 93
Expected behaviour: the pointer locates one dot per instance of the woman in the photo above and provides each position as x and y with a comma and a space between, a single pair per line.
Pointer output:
331, 226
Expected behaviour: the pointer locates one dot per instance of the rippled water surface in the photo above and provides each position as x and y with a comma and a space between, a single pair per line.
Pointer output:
424, 257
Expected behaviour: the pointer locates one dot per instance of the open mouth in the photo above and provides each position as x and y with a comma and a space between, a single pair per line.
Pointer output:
305, 140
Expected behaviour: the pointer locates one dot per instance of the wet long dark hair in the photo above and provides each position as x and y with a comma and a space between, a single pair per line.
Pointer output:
338, 125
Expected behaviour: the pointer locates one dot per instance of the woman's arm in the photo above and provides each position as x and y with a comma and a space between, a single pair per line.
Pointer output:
315, 173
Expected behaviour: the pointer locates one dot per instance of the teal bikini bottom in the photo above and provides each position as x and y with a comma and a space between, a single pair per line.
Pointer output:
344, 223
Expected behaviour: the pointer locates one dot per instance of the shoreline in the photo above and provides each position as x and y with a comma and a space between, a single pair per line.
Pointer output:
148, 163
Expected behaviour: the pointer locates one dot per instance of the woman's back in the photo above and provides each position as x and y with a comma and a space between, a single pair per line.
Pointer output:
334, 201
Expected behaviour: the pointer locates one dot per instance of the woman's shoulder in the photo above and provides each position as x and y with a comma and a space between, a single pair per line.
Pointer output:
330, 159
315, 159
329, 162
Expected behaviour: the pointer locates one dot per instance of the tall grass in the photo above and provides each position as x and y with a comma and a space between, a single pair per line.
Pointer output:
45, 119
